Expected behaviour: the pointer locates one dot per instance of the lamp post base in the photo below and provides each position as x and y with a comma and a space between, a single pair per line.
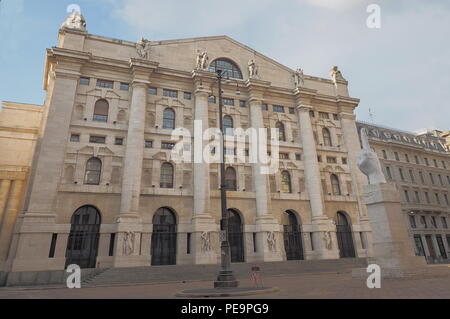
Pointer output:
226, 279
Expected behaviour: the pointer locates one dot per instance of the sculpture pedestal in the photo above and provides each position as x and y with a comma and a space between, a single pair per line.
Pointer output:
392, 247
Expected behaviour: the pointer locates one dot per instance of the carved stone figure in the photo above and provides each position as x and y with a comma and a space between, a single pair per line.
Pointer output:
252, 69
369, 163
202, 60
299, 78
128, 243
206, 241
328, 241
143, 48
271, 241
336, 75
75, 21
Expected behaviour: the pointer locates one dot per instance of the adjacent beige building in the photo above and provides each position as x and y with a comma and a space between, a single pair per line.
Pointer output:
419, 164
107, 191
20, 128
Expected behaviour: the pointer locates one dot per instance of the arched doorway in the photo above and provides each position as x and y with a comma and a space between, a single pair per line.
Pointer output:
235, 236
164, 238
82, 246
344, 236
292, 236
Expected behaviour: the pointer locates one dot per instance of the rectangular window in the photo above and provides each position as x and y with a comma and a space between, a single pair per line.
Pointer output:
227, 101
148, 144
118, 141
85, 81
384, 155
97, 139
419, 245
188, 243
105, 84
187, 96
291, 110
152, 91
170, 93
388, 172
254, 243
401, 174
278, 108
212, 99
411, 175
440, 180
311, 240
167, 146
417, 159
444, 222
362, 236
319, 158
435, 163
284, 156
124, 86
407, 196
331, 160
443, 165
397, 158
417, 197
433, 221
312, 114
431, 178
427, 197
407, 158
426, 162
421, 178
229, 151
242, 103
324, 115
412, 221
438, 200
446, 199
335, 117
112, 241
298, 157
75, 138
264, 107
441, 246
344, 161
51, 253
423, 220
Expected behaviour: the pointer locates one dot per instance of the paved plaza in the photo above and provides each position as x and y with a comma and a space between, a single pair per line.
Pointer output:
305, 286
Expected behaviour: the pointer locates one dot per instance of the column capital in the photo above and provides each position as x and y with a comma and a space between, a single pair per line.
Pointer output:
304, 108
347, 116
256, 88
142, 70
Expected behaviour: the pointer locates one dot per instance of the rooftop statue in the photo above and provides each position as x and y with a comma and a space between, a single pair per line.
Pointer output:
369, 163
299, 78
143, 48
75, 21
336, 75
252, 69
202, 60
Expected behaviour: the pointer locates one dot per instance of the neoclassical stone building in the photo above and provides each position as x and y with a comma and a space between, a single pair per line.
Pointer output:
106, 191
419, 164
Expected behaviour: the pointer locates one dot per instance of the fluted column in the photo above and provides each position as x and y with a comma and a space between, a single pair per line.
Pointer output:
201, 179
259, 179
312, 170
131, 180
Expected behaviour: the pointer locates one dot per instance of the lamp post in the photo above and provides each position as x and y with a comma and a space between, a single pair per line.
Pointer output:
225, 279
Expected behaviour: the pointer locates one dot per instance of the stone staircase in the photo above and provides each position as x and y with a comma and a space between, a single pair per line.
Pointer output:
183, 273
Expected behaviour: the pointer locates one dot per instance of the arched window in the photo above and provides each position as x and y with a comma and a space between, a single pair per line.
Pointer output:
169, 119
93, 171
228, 125
344, 236
286, 186
230, 179
229, 69
326, 137
335, 186
281, 132
166, 180
101, 110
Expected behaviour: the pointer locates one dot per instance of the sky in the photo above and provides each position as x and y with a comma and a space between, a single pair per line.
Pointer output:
401, 71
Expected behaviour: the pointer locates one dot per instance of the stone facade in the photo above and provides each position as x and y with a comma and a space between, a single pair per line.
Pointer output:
419, 164
125, 150
20, 127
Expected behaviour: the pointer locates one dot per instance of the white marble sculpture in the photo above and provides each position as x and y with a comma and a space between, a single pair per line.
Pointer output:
336, 75
271, 241
369, 163
128, 243
327, 240
252, 69
299, 78
75, 21
206, 241
143, 48
202, 60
